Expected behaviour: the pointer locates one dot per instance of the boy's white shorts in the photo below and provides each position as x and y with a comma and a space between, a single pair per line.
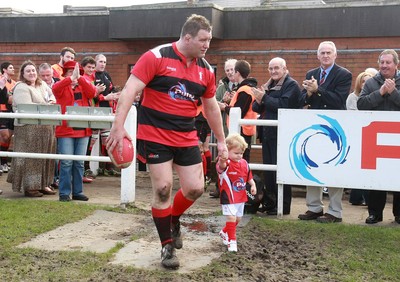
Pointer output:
233, 209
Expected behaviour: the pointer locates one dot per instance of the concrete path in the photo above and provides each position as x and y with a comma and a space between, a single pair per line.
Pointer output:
104, 230
106, 190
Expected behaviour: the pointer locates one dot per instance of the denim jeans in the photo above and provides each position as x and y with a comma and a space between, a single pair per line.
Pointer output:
71, 172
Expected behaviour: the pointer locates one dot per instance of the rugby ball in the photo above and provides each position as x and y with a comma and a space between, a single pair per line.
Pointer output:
125, 159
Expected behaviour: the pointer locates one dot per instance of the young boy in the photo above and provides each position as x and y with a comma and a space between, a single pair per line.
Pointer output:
234, 173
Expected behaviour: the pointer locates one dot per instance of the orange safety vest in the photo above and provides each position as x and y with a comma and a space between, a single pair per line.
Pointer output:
10, 85
57, 71
248, 130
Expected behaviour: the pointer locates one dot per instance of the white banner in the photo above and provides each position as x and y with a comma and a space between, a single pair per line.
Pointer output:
348, 149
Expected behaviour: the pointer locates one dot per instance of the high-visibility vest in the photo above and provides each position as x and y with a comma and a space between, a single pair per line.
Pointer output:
248, 130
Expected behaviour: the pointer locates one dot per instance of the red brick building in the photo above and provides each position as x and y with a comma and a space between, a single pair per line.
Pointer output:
255, 34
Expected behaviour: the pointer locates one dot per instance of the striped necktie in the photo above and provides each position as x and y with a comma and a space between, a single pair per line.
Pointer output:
323, 76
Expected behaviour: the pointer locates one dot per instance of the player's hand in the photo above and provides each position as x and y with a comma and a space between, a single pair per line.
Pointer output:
222, 150
115, 139
224, 156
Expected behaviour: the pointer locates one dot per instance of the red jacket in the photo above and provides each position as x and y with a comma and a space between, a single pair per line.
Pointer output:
66, 96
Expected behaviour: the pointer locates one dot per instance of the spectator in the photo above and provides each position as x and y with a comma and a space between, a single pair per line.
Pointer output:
89, 69
161, 72
46, 75
103, 78
73, 90
106, 98
280, 91
358, 197
226, 90
67, 54
32, 176
204, 134
89, 65
233, 173
243, 99
6, 125
327, 88
382, 93
371, 71
351, 101
7, 70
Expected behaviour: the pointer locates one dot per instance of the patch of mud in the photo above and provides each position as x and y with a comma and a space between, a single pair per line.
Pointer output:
103, 230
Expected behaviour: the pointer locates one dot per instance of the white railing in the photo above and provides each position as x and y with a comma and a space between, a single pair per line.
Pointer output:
128, 175
234, 127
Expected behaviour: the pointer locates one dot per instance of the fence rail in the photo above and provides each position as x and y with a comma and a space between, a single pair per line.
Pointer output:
234, 126
128, 175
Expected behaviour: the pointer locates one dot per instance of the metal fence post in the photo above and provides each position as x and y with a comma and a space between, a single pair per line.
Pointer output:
234, 118
128, 175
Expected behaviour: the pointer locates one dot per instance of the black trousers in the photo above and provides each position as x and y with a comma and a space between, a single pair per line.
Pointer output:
269, 154
377, 201
246, 154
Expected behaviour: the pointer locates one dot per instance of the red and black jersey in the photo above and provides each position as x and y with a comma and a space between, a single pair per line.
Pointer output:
232, 182
4, 105
103, 77
169, 104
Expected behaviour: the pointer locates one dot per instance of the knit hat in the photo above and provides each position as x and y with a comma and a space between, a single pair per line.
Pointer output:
71, 65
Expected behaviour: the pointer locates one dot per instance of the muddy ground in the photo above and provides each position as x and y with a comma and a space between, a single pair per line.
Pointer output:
263, 255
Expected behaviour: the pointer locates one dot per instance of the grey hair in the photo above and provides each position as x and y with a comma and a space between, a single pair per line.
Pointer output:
327, 43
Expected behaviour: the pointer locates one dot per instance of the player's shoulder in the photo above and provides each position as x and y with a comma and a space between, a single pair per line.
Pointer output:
164, 50
201, 62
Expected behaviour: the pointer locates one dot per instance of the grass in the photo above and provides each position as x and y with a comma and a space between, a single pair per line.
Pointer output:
355, 253
23, 219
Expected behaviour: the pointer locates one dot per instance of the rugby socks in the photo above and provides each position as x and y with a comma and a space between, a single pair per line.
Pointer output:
180, 205
225, 230
231, 230
204, 163
207, 154
162, 220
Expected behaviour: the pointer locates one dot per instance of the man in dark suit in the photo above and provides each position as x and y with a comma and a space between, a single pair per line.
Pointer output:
325, 87
280, 91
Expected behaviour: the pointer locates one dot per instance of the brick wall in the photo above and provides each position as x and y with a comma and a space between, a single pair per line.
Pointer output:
355, 54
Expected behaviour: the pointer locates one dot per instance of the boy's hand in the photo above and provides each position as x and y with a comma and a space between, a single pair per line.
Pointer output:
253, 189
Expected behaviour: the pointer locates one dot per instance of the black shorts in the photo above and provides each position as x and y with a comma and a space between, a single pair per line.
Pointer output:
7, 123
156, 153
203, 129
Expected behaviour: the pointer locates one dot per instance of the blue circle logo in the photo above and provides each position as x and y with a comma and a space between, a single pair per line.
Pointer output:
306, 165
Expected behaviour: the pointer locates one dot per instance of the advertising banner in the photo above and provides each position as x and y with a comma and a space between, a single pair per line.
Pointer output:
348, 149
